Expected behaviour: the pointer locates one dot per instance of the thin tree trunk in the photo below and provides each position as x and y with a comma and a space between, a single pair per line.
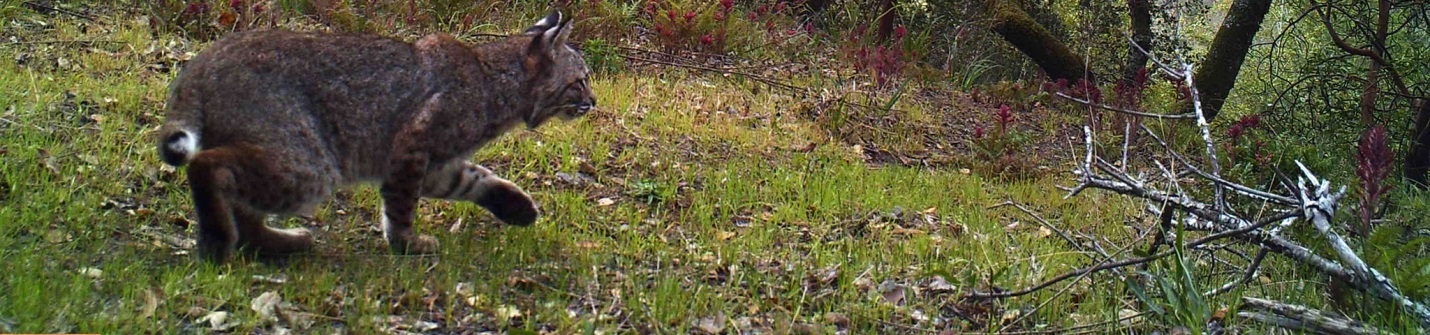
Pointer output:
1141, 14
1217, 74
887, 14
1417, 159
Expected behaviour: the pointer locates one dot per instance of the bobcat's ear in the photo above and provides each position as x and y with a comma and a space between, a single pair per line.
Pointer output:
545, 42
551, 20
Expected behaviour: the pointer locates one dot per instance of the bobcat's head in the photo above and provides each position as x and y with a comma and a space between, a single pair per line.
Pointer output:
559, 73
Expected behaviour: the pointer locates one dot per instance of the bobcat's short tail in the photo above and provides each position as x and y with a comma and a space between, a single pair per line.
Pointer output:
177, 146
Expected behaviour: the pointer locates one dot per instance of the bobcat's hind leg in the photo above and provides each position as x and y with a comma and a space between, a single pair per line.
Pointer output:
233, 186
467, 181
209, 177
258, 237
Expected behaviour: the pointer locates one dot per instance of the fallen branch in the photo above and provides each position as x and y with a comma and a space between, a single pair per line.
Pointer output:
1301, 318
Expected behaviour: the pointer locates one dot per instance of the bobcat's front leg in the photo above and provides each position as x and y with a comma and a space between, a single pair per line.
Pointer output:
467, 181
400, 193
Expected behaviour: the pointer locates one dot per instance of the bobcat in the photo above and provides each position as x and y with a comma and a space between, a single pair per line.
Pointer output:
271, 122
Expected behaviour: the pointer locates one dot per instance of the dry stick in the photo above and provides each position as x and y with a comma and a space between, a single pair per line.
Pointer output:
1124, 110
1083, 329
39, 7
1381, 288
1250, 272
1239, 188
61, 42
1045, 224
1065, 289
1320, 206
1112, 265
1298, 317
1202, 124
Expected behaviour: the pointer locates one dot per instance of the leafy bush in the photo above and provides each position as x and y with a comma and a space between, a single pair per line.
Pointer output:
601, 56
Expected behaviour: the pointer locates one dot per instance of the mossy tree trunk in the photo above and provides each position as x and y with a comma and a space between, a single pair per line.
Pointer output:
1217, 72
1015, 26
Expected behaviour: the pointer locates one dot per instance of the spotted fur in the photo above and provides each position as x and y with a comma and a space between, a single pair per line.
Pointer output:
272, 122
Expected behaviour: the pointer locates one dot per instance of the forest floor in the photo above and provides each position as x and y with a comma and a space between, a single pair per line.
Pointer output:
686, 202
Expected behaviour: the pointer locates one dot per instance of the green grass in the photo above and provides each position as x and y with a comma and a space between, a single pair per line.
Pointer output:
714, 213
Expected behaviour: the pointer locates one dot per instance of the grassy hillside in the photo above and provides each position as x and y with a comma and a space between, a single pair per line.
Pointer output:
687, 202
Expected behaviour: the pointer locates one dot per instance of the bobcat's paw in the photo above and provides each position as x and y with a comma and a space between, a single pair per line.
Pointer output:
214, 251
415, 244
509, 203
284, 241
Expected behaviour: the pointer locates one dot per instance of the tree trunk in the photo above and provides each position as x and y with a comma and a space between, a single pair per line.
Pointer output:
1217, 74
1141, 14
1417, 159
887, 14
1015, 26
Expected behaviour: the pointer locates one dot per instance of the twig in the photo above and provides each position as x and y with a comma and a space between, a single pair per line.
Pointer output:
1250, 273
43, 8
1083, 329
1243, 189
1045, 224
61, 42
1124, 110
1112, 265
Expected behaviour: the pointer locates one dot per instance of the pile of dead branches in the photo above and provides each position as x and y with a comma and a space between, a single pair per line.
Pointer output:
1167, 183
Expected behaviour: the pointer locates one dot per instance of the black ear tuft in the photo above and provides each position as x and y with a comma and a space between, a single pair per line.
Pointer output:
551, 20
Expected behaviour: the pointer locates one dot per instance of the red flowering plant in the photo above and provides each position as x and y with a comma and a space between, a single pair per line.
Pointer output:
881, 60
204, 20
1372, 168
1246, 142
997, 145
717, 26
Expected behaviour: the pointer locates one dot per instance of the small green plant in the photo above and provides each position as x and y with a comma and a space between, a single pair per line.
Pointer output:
650, 192
1181, 303
602, 57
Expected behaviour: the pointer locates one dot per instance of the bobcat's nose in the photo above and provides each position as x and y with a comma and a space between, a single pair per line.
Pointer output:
585, 106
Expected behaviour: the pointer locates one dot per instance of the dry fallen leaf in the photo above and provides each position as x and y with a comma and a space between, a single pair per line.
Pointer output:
724, 235
938, 284
218, 321
1044, 232
711, 325
151, 303
839, 320
1011, 315
1127, 317
266, 305
892, 292
603, 202
91, 272
506, 312
863, 284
